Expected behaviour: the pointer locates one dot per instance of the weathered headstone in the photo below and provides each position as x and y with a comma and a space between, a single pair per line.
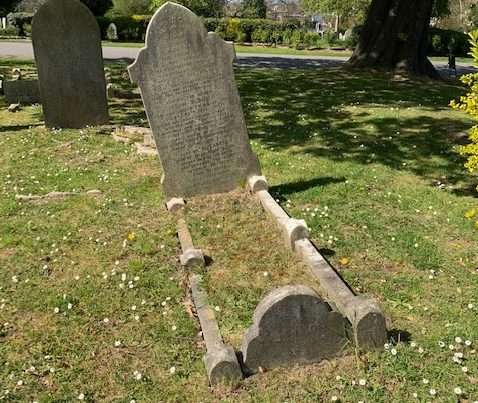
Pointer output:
293, 325
13, 108
4, 22
112, 32
67, 44
348, 34
16, 74
21, 91
187, 84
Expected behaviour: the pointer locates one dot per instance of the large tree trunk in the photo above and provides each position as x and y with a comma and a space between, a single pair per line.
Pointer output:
394, 37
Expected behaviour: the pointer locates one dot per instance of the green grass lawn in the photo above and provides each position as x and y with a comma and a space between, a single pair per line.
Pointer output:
93, 300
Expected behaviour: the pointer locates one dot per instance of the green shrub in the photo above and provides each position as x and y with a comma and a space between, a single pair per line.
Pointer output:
244, 30
311, 39
241, 37
331, 38
469, 104
286, 36
129, 28
352, 41
257, 35
126, 8
442, 41
211, 24
103, 23
232, 29
27, 28
20, 22
296, 39
277, 36
8, 31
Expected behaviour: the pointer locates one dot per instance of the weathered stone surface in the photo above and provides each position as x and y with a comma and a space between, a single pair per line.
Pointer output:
293, 325
21, 91
148, 140
220, 360
367, 319
256, 183
67, 45
13, 108
112, 32
175, 204
17, 73
143, 149
187, 85
292, 229
110, 91
190, 256
56, 195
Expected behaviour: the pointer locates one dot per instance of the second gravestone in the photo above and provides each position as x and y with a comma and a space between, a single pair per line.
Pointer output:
67, 45
187, 84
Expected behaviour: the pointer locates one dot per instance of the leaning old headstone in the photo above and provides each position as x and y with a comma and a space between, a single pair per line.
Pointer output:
187, 84
293, 325
67, 45
21, 91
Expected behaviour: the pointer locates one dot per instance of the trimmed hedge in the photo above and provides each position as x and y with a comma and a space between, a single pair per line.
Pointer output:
250, 29
129, 28
289, 33
21, 22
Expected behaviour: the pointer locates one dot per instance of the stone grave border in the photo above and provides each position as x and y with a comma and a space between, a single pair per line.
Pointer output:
364, 314
147, 147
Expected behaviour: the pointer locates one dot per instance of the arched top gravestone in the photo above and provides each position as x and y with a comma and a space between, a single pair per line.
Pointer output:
187, 84
293, 325
67, 45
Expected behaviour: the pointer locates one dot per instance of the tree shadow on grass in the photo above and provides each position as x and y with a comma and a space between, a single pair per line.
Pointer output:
301, 186
367, 118
14, 128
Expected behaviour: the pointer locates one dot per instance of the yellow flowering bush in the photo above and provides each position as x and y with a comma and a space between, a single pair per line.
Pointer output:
469, 104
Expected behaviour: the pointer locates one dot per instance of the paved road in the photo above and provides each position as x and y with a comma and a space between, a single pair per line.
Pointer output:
24, 50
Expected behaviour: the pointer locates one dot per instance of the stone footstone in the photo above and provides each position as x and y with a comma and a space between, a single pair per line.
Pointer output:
67, 46
187, 84
22, 92
293, 325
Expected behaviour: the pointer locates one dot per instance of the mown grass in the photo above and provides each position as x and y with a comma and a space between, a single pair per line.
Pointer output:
366, 159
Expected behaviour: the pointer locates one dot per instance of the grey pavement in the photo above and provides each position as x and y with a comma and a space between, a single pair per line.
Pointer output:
24, 50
